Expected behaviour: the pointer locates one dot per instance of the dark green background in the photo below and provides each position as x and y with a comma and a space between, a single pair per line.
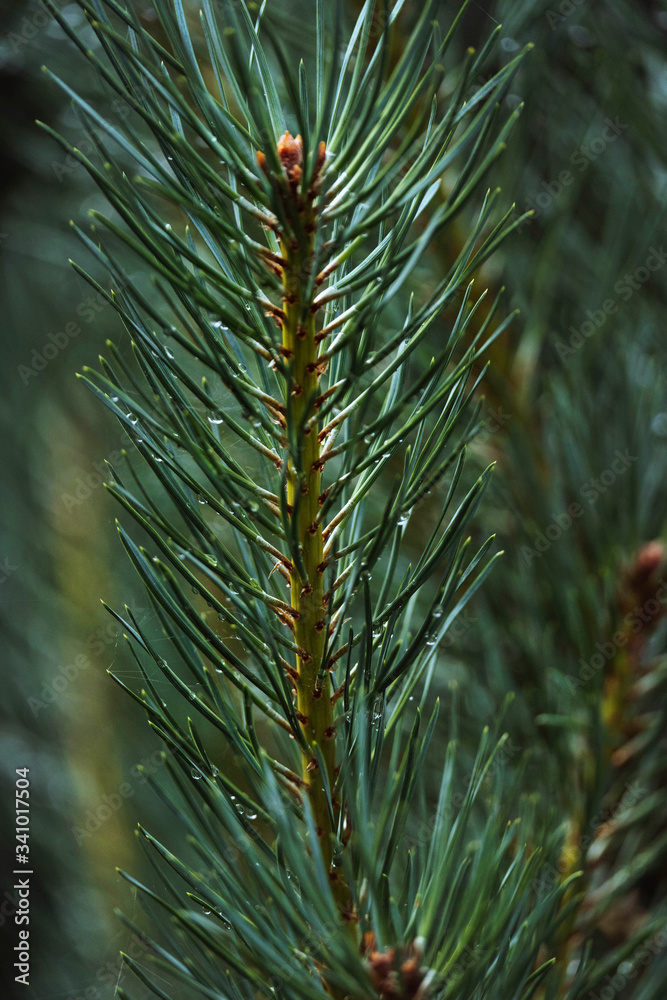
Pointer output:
555, 420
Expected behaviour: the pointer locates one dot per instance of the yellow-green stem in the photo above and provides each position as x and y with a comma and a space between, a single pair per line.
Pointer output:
307, 592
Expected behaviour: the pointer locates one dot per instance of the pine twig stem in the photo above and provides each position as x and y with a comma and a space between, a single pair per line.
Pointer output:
304, 475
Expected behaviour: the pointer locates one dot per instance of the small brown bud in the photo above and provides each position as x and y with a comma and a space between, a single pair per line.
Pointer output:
382, 963
647, 562
412, 977
290, 151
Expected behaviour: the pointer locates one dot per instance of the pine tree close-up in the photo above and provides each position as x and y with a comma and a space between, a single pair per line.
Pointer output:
297, 227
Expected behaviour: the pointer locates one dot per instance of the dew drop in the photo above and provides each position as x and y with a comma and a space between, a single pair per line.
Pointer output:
195, 774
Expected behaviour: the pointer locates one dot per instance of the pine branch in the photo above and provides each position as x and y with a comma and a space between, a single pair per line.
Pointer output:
278, 281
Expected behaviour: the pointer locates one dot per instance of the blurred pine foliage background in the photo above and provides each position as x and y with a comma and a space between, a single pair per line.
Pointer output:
578, 379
